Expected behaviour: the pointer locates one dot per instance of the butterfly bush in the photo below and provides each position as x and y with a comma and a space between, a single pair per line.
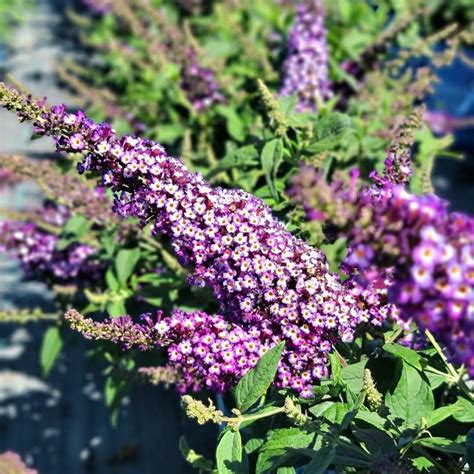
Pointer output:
198, 82
269, 283
429, 251
36, 248
305, 68
68, 190
98, 6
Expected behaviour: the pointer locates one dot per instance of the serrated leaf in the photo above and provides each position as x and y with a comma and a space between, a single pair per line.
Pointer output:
229, 456
353, 376
257, 380
404, 353
441, 444
125, 263
440, 414
372, 418
253, 445
50, 349
281, 445
466, 413
238, 158
328, 131
321, 461
412, 398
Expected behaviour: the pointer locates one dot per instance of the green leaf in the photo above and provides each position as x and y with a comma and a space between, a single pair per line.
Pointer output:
125, 263
257, 380
372, 418
328, 131
116, 309
253, 445
466, 412
435, 380
412, 398
421, 463
270, 159
235, 126
441, 444
321, 461
470, 449
229, 454
287, 438
353, 376
238, 158
197, 461
404, 353
111, 280
77, 225
440, 414
280, 446
286, 470
376, 441
50, 349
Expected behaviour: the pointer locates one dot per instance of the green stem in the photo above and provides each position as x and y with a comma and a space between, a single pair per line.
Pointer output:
456, 376
258, 416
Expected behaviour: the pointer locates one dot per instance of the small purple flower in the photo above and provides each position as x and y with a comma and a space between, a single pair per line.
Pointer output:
306, 66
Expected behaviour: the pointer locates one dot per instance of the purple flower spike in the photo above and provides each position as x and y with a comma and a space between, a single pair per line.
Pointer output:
306, 66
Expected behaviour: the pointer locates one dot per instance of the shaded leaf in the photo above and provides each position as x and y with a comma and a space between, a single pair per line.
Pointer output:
404, 353
321, 461
50, 349
411, 399
125, 263
229, 454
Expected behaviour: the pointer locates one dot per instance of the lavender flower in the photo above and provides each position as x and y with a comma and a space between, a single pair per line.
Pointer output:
100, 7
422, 253
36, 249
432, 252
198, 82
69, 191
306, 65
270, 284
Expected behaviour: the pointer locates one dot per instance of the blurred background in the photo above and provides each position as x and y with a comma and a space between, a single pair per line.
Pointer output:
60, 424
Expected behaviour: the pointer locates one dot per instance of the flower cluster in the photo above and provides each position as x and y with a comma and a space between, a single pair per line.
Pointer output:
11, 463
432, 252
398, 165
306, 65
98, 6
198, 82
267, 281
323, 200
36, 250
122, 330
67, 190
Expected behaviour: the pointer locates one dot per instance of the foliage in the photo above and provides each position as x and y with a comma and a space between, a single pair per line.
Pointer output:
203, 79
